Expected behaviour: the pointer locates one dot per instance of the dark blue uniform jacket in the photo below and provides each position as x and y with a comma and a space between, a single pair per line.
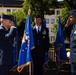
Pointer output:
6, 45
41, 41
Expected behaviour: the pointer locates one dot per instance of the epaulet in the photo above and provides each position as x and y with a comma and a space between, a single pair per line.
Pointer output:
1, 27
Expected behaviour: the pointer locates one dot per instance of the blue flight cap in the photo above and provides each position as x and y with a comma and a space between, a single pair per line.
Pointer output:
37, 16
9, 17
72, 12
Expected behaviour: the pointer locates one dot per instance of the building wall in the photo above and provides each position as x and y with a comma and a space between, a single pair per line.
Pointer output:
50, 20
8, 9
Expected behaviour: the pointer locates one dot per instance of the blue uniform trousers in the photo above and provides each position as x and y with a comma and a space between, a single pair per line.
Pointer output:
73, 68
38, 62
4, 70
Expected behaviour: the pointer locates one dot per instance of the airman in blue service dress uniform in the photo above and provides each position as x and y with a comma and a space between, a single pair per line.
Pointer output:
41, 40
7, 34
70, 29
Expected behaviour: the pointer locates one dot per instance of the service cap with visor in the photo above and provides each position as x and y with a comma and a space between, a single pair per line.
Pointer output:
4, 16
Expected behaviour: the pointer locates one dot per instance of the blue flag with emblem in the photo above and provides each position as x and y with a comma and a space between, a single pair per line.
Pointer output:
16, 45
27, 46
60, 48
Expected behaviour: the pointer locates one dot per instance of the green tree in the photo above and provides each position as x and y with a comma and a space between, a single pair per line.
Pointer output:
20, 16
55, 26
64, 15
71, 4
40, 6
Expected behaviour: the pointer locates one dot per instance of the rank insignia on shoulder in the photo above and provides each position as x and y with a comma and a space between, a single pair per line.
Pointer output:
75, 32
44, 32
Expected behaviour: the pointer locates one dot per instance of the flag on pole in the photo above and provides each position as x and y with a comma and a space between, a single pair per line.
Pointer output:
27, 46
16, 45
60, 48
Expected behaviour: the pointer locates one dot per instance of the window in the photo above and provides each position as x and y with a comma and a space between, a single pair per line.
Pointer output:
14, 10
52, 21
8, 10
52, 29
47, 21
52, 38
57, 12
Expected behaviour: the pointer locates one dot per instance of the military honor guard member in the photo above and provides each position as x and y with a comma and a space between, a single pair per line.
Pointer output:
70, 29
7, 34
41, 40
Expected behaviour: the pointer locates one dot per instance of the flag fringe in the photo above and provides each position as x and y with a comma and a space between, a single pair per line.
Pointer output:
33, 47
20, 68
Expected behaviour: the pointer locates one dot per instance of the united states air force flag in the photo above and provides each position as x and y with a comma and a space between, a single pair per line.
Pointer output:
60, 48
26, 47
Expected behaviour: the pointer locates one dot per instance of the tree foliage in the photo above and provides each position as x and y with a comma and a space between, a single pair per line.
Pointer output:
46, 7
20, 16
70, 4
64, 15
40, 6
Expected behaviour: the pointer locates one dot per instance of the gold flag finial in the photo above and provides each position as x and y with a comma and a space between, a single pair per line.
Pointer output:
29, 11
